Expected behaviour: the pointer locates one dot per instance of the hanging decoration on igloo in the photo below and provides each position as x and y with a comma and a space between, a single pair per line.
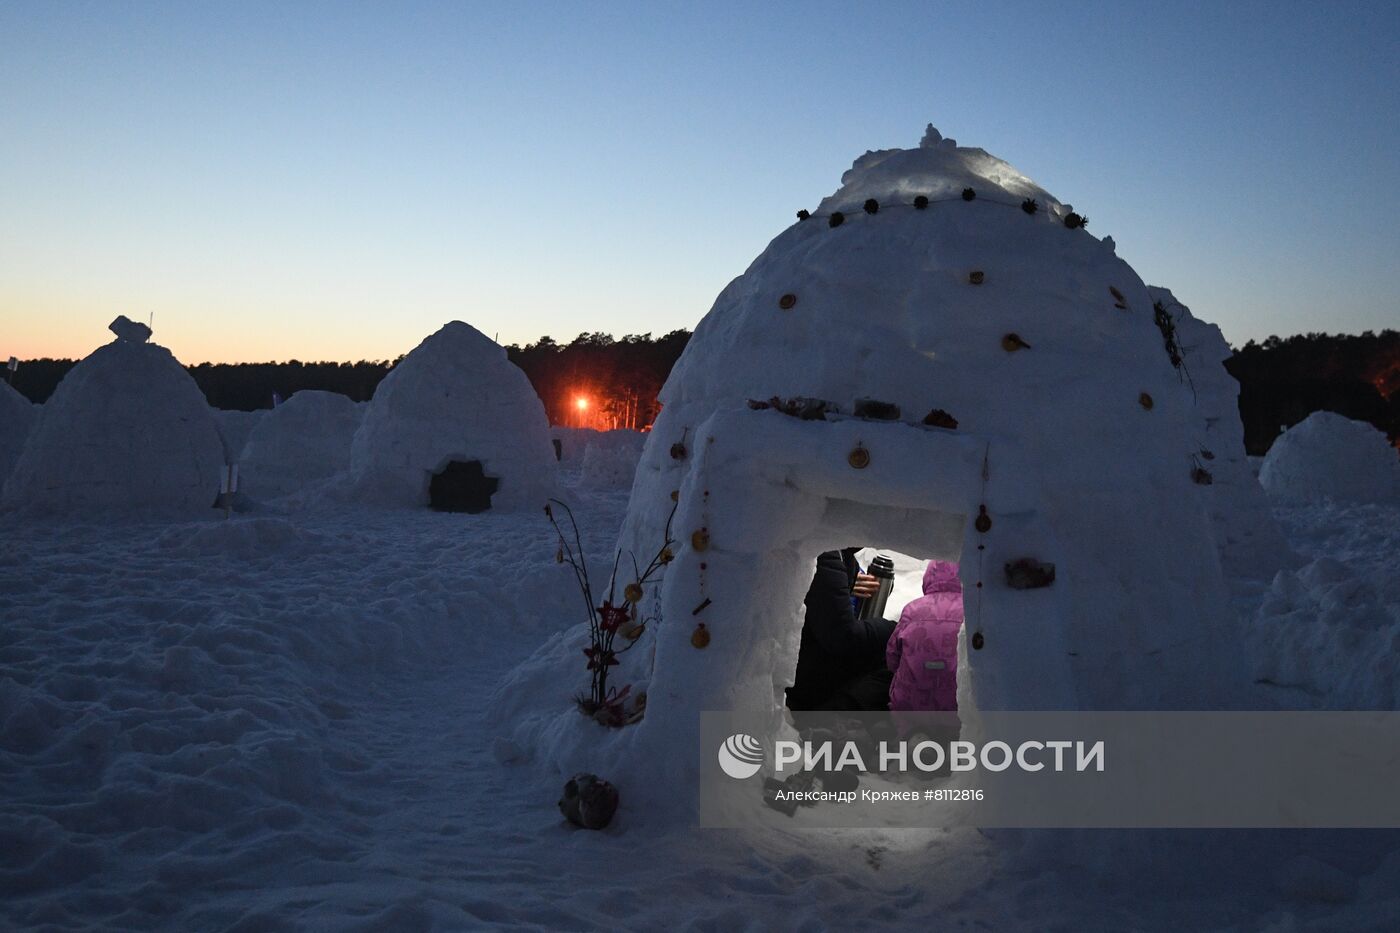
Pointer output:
457, 426
126, 429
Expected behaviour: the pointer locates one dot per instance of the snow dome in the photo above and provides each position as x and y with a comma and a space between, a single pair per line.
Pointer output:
455, 415
305, 439
126, 429
939, 360
17, 417
1329, 456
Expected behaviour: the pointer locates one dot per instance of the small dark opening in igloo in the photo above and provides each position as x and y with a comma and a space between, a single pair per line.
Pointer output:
462, 486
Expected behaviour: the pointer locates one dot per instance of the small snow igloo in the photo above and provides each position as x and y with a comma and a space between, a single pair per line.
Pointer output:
1028, 405
1330, 456
457, 426
304, 440
127, 429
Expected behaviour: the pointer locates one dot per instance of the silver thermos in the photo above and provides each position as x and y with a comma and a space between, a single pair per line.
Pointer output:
873, 607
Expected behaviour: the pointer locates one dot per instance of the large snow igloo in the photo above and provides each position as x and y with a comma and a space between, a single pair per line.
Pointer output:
1077, 442
453, 422
127, 429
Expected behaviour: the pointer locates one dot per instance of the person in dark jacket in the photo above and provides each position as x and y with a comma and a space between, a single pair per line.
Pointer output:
841, 660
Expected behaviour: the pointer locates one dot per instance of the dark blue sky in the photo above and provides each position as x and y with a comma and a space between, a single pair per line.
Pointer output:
337, 180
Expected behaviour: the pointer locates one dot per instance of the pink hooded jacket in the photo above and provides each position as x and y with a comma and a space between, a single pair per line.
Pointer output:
923, 651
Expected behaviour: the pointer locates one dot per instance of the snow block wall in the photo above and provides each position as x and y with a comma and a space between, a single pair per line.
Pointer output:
1250, 541
455, 397
126, 429
300, 442
17, 417
1329, 456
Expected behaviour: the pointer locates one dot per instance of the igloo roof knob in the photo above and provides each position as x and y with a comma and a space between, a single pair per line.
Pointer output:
938, 169
131, 331
934, 140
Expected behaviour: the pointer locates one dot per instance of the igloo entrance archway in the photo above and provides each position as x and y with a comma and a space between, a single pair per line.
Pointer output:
461, 484
766, 492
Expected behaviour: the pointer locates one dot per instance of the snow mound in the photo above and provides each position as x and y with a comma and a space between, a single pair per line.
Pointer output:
454, 398
17, 418
1330, 456
128, 430
1326, 632
300, 442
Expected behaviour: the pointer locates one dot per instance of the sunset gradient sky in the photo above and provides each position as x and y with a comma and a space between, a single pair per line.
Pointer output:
335, 181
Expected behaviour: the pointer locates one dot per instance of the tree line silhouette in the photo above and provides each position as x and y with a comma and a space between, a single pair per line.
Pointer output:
1282, 380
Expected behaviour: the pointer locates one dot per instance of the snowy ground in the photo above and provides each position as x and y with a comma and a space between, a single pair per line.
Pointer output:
278, 723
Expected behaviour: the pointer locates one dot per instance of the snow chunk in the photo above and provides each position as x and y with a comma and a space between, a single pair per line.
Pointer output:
127, 329
1330, 456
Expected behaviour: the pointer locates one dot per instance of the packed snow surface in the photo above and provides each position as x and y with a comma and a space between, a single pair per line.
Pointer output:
1329, 456
127, 429
454, 397
276, 725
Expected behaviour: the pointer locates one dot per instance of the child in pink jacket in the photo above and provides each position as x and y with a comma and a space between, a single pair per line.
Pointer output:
923, 651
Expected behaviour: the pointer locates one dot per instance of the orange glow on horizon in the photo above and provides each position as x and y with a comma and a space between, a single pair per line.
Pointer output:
581, 403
